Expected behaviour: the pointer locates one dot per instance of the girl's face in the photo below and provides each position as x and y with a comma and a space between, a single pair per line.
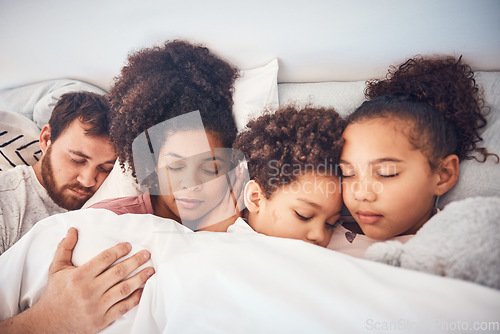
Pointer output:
388, 185
306, 209
191, 173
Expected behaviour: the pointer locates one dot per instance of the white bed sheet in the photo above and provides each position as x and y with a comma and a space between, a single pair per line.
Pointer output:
208, 282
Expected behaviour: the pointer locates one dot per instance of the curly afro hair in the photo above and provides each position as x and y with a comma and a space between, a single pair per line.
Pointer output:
162, 82
280, 147
441, 99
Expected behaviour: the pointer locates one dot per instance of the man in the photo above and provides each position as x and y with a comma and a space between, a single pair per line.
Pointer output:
77, 157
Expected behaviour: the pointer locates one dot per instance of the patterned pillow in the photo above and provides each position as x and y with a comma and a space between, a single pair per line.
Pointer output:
19, 143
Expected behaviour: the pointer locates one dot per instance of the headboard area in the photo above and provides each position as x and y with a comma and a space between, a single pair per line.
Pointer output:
315, 41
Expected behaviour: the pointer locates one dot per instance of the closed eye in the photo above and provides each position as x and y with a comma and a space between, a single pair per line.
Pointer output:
388, 175
78, 162
174, 168
302, 217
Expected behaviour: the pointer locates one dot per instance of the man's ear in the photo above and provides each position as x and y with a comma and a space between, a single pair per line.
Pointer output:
252, 195
45, 138
447, 174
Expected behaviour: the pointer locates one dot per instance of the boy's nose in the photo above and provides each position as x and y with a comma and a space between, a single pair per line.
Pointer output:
318, 233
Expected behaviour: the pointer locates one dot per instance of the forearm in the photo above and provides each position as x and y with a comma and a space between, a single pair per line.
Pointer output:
32, 321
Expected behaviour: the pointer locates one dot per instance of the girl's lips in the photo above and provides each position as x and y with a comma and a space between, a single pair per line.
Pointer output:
188, 203
367, 217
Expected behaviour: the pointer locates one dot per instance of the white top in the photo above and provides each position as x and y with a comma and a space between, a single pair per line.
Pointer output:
240, 226
23, 202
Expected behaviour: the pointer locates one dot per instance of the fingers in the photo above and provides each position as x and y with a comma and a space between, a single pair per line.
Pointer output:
126, 288
122, 307
121, 270
64, 251
99, 263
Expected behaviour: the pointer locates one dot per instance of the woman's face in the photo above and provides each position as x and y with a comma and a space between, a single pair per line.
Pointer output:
192, 166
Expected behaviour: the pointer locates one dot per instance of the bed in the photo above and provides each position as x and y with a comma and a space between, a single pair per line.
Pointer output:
319, 53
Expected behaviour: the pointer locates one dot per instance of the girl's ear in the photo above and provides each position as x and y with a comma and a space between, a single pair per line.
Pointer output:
448, 174
252, 195
45, 138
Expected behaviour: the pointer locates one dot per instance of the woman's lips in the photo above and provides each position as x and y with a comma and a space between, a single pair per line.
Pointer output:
188, 203
367, 217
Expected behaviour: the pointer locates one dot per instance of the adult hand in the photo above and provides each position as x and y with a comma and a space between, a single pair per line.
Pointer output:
84, 299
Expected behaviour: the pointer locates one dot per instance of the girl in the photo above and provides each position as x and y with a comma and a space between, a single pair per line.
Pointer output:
403, 147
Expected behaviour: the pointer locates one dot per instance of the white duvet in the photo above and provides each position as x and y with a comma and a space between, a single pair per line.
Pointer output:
208, 282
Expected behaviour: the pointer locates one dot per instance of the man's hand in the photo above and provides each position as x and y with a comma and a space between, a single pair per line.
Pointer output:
84, 299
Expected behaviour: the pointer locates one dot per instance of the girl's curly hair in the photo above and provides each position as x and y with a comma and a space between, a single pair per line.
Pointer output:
162, 82
440, 97
283, 145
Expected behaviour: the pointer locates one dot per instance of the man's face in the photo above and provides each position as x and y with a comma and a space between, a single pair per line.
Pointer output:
75, 165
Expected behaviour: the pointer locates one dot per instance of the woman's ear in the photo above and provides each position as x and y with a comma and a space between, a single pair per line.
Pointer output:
448, 174
45, 138
252, 195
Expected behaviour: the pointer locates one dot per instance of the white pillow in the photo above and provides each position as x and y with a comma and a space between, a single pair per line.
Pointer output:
255, 89
344, 97
19, 140
36, 101
482, 179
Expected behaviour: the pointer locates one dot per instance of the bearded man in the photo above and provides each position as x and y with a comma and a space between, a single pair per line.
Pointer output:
76, 159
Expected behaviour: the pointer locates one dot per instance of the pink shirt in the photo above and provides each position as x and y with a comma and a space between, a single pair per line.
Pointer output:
133, 204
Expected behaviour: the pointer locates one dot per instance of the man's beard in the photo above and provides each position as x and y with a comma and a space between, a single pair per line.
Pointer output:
66, 202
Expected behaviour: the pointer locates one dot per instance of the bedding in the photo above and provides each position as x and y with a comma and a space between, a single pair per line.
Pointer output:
209, 282
18, 140
229, 283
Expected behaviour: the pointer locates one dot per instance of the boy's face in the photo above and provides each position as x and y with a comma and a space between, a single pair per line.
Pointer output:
306, 209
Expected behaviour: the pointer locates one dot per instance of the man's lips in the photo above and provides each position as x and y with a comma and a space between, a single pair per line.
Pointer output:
368, 217
80, 192
188, 203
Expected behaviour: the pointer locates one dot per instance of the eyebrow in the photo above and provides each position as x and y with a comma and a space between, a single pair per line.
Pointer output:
315, 205
376, 161
80, 154
175, 155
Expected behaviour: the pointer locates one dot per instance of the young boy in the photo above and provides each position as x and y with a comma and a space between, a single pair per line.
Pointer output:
293, 157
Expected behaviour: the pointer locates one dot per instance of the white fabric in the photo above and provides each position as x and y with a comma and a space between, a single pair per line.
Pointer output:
208, 282
255, 90
240, 226
23, 202
19, 143
36, 100
481, 179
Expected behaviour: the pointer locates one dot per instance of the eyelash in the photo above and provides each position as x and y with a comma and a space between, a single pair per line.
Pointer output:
389, 175
78, 162
302, 217
380, 175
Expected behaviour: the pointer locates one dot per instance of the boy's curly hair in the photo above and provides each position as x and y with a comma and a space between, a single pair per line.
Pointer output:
281, 146
162, 82
439, 95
